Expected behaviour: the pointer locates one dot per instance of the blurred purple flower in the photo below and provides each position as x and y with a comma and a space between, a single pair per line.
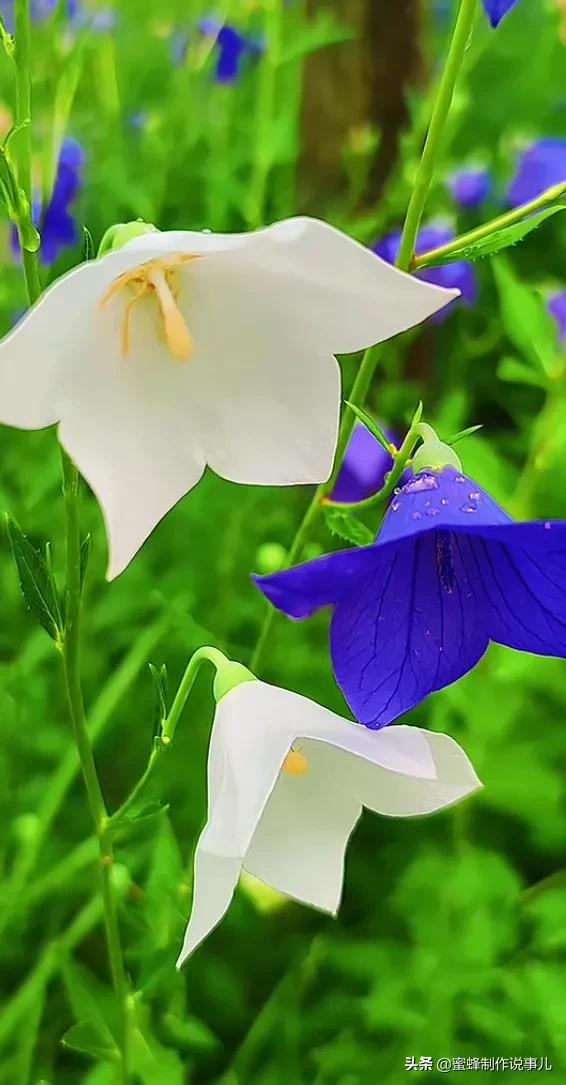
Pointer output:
364, 467
470, 186
460, 275
496, 9
231, 48
542, 164
557, 309
55, 222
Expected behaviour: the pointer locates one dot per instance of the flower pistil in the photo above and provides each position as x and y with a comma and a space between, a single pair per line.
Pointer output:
156, 277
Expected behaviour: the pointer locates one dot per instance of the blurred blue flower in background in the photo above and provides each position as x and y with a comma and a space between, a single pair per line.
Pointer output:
557, 309
460, 275
364, 467
470, 186
496, 9
231, 48
79, 18
541, 165
413, 612
56, 224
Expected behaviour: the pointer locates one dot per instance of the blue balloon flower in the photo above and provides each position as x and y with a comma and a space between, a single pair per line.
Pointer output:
557, 309
363, 469
449, 572
470, 186
496, 9
459, 275
543, 164
56, 224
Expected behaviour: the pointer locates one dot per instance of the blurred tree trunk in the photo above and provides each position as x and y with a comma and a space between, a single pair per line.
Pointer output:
355, 84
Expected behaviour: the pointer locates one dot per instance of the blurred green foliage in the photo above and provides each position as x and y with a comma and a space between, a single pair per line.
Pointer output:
451, 940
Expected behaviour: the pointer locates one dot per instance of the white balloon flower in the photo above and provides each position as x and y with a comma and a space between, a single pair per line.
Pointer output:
185, 349
287, 781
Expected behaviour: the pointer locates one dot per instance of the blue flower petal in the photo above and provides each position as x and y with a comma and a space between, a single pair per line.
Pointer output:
299, 591
557, 309
415, 628
496, 9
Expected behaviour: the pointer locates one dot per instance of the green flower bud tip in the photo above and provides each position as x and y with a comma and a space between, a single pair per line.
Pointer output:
123, 232
229, 675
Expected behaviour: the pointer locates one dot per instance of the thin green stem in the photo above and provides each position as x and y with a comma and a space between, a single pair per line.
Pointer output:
101, 822
510, 218
441, 109
22, 55
372, 356
401, 460
164, 740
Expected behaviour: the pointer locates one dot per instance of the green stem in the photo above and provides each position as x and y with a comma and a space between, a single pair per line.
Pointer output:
401, 460
372, 356
510, 218
425, 172
164, 740
265, 108
97, 806
23, 117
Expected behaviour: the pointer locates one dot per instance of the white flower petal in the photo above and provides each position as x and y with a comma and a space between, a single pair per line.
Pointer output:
50, 340
403, 795
268, 396
133, 432
300, 844
214, 882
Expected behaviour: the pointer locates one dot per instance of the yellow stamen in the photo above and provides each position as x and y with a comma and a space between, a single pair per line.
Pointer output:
156, 277
295, 763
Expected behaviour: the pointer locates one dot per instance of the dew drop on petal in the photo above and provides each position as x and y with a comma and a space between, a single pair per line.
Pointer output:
474, 496
459, 478
468, 508
421, 482
444, 501
547, 526
395, 505
432, 512
417, 516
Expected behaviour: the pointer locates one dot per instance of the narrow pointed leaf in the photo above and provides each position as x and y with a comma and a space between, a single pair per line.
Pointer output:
370, 424
462, 433
36, 581
498, 241
93, 1039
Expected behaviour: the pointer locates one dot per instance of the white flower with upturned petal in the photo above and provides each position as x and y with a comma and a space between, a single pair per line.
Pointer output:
287, 781
186, 349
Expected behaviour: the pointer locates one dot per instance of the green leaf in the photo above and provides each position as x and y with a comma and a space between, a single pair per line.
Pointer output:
88, 251
36, 581
162, 896
93, 1039
417, 416
370, 424
89, 998
516, 372
501, 239
347, 526
527, 322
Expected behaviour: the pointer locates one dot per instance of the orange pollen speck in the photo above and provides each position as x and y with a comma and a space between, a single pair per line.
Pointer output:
295, 763
156, 277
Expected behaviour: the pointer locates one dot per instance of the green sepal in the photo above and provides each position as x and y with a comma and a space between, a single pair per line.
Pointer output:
123, 232
451, 441
37, 581
346, 526
229, 674
370, 425
159, 677
433, 454
87, 251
